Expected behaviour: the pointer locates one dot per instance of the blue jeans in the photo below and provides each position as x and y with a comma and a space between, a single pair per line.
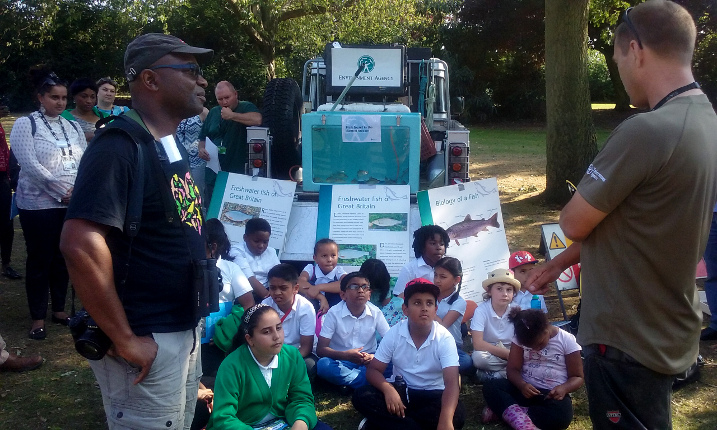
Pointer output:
342, 373
465, 362
711, 264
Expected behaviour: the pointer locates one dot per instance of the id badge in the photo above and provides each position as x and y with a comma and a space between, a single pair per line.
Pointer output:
222, 149
69, 164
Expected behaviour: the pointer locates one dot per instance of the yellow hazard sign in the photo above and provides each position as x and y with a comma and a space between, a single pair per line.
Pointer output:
556, 243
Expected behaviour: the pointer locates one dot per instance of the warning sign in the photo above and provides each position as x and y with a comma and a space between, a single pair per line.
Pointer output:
556, 243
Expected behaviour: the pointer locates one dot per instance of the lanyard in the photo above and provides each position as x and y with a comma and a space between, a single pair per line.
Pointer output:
67, 139
692, 86
287, 314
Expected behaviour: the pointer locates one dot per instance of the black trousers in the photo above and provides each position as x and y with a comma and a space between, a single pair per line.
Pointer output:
7, 229
624, 394
45, 268
546, 414
422, 411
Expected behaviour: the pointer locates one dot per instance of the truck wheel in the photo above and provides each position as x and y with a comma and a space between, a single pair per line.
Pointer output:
282, 114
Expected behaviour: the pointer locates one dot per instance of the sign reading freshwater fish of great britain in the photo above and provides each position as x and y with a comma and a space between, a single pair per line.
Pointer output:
238, 198
366, 221
470, 213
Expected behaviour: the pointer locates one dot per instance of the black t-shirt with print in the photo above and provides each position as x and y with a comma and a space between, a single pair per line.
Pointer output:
157, 296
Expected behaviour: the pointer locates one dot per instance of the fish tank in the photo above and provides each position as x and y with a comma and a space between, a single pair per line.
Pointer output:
370, 148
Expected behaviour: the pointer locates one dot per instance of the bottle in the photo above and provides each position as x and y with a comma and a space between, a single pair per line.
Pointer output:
535, 302
400, 385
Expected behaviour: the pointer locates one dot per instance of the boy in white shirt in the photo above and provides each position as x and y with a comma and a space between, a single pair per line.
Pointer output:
297, 314
255, 257
348, 334
424, 353
321, 280
521, 263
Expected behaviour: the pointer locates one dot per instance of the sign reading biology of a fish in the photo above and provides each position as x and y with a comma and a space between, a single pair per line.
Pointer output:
470, 213
244, 197
367, 221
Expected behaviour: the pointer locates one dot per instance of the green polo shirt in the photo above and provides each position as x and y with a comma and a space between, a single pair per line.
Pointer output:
230, 134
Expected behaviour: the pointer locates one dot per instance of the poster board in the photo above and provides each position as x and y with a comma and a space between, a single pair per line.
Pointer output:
244, 197
471, 214
555, 242
366, 221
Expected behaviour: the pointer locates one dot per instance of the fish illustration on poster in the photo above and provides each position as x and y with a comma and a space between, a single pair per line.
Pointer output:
471, 215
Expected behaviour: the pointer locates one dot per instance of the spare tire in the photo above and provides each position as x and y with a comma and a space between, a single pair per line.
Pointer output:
281, 112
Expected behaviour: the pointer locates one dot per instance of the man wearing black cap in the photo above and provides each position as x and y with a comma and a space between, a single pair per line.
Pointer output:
136, 280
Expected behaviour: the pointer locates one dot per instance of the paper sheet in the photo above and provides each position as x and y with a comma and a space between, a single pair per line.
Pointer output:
213, 162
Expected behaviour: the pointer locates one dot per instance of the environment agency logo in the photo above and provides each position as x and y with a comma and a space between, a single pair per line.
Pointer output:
368, 62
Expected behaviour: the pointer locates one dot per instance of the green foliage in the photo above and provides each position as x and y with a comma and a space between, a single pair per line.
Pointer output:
601, 88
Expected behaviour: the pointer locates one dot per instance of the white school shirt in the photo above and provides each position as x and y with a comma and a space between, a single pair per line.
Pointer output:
301, 320
332, 276
421, 368
546, 369
348, 332
416, 268
234, 283
523, 299
255, 265
266, 371
494, 328
459, 306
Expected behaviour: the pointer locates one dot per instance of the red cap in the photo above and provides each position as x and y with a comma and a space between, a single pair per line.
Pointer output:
520, 258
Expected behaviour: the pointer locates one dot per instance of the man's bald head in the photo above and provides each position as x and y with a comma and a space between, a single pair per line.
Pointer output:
226, 95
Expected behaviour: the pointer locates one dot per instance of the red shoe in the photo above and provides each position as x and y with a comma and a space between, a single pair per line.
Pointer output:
21, 364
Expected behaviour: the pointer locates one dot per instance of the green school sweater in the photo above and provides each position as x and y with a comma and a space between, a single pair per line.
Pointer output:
242, 398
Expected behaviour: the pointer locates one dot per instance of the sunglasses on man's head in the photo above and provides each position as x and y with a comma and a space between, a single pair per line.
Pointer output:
626, 20
192, 68
362, 287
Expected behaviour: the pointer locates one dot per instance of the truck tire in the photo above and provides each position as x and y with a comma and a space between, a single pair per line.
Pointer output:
281, 112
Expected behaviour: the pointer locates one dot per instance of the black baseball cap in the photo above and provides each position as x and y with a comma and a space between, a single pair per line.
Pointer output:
144, 50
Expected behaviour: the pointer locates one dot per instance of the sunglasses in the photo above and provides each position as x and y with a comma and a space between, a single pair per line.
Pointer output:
626, 20
194, 70
362, 287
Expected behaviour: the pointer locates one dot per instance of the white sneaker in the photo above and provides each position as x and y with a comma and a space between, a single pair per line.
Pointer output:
362, 424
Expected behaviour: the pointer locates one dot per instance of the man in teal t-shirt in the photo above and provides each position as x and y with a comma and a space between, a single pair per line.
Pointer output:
226, 127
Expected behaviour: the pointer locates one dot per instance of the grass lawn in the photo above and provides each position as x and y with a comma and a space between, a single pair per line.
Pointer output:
62, 394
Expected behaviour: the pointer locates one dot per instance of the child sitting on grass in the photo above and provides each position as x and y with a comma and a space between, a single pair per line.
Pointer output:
521, 263
448, 275
348, 334
490, 329
380, 281
262, 384
429, 246
544, 366
424, 353
255, 256
235, 290
321, 280
297, 314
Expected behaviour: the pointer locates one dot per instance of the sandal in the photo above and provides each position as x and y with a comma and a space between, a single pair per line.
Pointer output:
38, 334
64, 321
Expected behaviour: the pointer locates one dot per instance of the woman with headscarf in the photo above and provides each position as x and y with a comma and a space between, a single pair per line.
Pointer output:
84, 92
106, 93
48, 148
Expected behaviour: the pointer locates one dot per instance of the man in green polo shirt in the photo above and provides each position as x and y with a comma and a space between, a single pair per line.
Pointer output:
226, 126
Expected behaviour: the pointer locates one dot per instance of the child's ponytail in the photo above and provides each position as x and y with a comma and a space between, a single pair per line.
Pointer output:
452, 266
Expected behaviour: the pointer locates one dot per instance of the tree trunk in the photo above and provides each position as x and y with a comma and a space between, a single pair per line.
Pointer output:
571, 142
622, 100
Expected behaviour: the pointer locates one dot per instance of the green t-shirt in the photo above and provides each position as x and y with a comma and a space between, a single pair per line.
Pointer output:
229, 134
656, 180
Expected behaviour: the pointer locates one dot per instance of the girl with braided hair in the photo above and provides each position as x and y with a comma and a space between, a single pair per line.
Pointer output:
263, 384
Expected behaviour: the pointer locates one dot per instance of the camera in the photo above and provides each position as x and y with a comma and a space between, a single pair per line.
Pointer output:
90, 341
